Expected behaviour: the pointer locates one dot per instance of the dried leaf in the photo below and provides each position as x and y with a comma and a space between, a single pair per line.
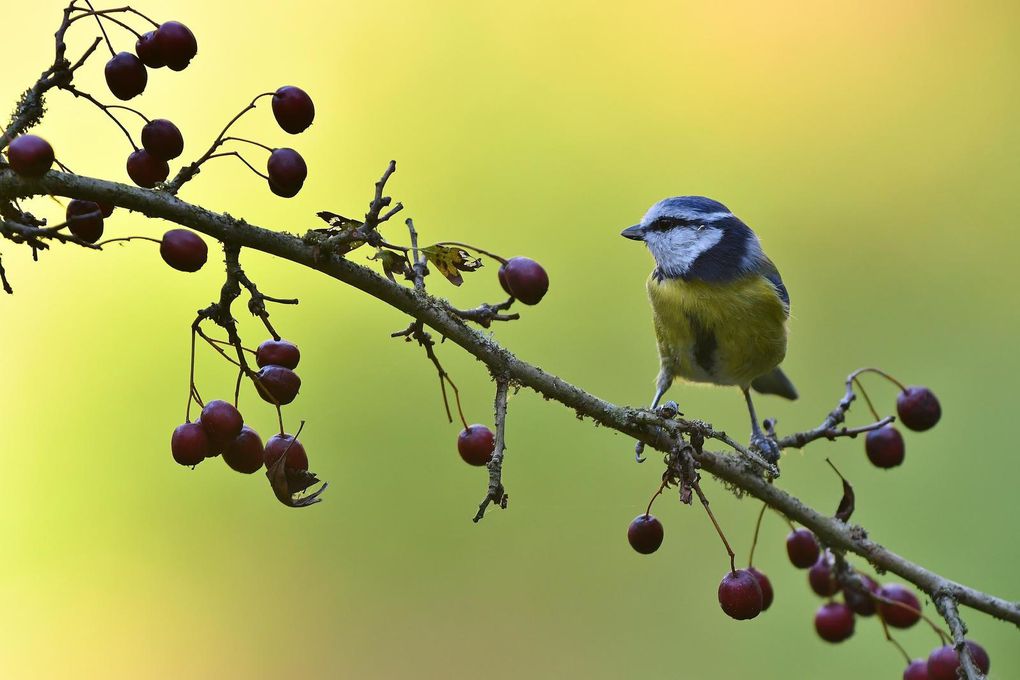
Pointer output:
846, 503
451, 261
288, 482
393, 263
340, 226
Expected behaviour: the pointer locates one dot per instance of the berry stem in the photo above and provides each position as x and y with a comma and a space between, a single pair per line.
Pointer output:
106, 17
704, 502
114, 10
237, 387
890, 638
128, 108
757, 528
880, 372
234, 153
279, 418
103, 107
871, 407
662, 486
63, 167
102, 29
224, 342
248, 141
943, 636
127, 238
216, 347
478, 250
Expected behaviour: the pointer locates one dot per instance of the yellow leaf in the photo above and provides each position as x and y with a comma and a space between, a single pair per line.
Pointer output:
451, 261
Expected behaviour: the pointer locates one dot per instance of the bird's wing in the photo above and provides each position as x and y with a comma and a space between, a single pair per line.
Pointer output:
767, 270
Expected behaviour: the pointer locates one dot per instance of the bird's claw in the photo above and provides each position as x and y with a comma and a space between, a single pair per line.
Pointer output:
639, 448
767, 447
669, 410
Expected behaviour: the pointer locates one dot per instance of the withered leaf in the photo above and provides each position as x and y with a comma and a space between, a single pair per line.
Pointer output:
451, 261
340, 226
393, 263
846, 503
287, 482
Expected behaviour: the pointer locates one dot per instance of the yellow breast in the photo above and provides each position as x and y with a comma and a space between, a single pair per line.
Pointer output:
723, 333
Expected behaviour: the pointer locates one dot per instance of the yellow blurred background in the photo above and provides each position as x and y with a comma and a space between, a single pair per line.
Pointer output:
873, 146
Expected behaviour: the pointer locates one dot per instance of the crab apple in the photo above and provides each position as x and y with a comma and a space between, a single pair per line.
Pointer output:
821, 578
297, 459
183, 250
162, 139
645, 534
834, 622
862, 603
85, 220
176, 44
524, 279
30, 156
146, 170
917, 670
287, 172
802, 548
885, 447
277, 385
126, 76
105, 208
918, 408
766, 588
147, 49
476, 445
190, 444
293, 109
278, 352
245, 453
740, 595
945, 661
222, 422
903, 615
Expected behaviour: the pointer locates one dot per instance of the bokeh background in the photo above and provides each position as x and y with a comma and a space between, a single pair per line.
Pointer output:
872, 145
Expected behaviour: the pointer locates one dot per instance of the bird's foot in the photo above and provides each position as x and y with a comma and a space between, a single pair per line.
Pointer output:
667, 411
766, 446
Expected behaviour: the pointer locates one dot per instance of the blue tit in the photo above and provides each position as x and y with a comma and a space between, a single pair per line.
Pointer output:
719, 305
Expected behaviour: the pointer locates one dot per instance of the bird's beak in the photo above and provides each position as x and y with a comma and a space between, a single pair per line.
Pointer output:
636, 233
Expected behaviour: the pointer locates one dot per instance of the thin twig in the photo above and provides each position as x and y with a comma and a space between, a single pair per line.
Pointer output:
946, 604
496, 492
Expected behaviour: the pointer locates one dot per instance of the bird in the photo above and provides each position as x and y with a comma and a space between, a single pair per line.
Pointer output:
719, 306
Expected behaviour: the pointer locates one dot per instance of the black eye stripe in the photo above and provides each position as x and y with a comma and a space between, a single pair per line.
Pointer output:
664, 223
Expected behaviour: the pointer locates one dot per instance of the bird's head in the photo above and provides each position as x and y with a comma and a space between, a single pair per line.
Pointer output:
685, 230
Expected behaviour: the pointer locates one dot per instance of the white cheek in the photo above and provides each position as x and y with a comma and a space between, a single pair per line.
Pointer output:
676, 250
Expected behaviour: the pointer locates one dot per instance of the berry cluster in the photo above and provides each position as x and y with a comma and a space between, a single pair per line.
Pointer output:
918, 409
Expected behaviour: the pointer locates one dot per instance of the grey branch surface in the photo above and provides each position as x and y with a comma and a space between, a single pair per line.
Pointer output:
641, 424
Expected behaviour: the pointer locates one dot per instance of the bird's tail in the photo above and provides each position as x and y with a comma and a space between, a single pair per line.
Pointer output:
775, 382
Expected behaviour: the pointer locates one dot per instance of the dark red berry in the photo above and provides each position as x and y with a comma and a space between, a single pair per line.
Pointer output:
176, 44
834, 622
645, 534
147, 49
106, 208
183, 250
740, 595
766, 588
501, 275
293, 109
476, 445
126, 76
802, 548
245, 453
861, 601
822, 579
297, 459
85, 220
902, 615
162, 139
917, 670
146, 170
190, 444
222, 422
279, 353
278, 385
524, 279
944, 661
885, 447
287, 172
918, 408
30, 156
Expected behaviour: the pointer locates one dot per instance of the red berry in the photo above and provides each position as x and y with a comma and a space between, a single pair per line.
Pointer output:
917, 670
859, 601
297, 459
162, 139
918, 408
277, 385
293, 109
183, 250
278, 352
476, 445
766, 588
821, 578
176, 44
30, 156
126, 76
147, 49
189, 444
740, 595
802, 548
884, 447
834, 622
222, 422
245, 453
501, 275
287, 172
85, 220
524, 279
106, 208
944, 661
146, 170
895, 615
645, 534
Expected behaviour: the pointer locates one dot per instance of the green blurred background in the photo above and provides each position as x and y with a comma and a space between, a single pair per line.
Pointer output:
874, 149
